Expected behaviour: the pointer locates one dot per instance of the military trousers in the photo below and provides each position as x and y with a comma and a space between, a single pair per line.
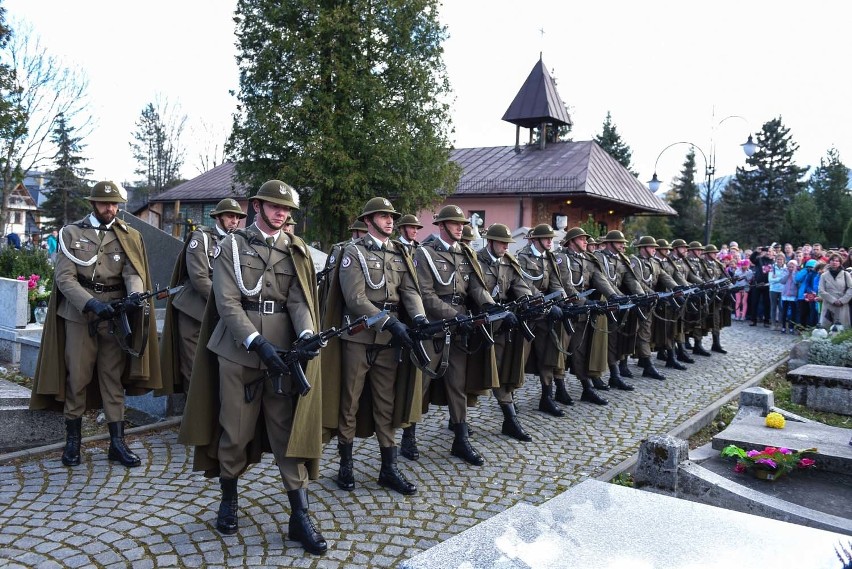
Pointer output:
238, 420
545, 351
643, 337
503, 394
357, 370
454, 378
96, 357
188, 328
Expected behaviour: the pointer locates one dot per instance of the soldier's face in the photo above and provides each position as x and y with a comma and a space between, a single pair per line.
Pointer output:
228, 221
381, 225
580, 243
616, 246
272, 215
681, 251
650, 251
452, 230
711, 256
105, 212
409, 232
498, 248
544, 244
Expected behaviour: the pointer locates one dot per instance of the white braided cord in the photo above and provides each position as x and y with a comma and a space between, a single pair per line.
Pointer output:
76, 261
364, 268
432, 266
239, 273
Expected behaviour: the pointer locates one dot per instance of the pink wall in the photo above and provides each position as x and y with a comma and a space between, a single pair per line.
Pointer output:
497, 210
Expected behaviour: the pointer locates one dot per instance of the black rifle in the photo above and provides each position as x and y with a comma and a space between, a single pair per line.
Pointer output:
119, 323
321, 276
529, 308
426, 331
294, 365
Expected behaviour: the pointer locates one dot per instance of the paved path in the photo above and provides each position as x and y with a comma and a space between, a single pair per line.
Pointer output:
163, 515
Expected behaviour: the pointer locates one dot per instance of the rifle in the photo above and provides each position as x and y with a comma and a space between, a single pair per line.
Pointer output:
323, 274
529, 308
448, 324
119, 323
314, 343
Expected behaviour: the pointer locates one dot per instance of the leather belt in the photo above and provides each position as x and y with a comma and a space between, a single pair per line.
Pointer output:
454, 299
389, 306
98, 287
265, 307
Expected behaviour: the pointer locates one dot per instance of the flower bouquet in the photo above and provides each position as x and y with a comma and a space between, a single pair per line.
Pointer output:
771, 463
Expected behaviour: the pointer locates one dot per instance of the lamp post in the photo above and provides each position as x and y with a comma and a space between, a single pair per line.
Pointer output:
749, 147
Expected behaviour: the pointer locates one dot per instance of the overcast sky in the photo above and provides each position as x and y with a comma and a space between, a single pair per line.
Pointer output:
668, 71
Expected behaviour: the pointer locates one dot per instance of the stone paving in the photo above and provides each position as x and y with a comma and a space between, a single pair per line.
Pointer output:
163, 515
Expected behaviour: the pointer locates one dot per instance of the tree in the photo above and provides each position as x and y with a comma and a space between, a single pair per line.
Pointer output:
212, 140
801, 221
345, 101
157, 148
754, 203
685, 199
847, 236
67, 185
41, 90
610, 140
833, 202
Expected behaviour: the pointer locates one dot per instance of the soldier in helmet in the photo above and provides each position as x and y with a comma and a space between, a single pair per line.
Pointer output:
652, 278
184, 311
289, 225
452, 282
720, 310
540, 269
692, 314
619, 272
263, 299
589, 344
101, 260
375, 273
503, 278
591, 244
357, 230
669, 329
704, 323
407, 226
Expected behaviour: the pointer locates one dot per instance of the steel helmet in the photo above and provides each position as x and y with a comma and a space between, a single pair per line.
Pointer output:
573, 233
663, 244
541, 231
678, 243
379, 205
695, 245
289, 220
228, 205
358, 225
277, 192
450, 213
467, 233
107, 192
711, 249
409, 219
646, 241
499, 232
614, 236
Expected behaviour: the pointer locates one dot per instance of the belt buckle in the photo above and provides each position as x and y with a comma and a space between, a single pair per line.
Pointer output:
268, 307
455, 300
98, 287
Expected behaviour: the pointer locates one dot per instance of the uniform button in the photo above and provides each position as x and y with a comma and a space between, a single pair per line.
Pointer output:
388, 265
268, 284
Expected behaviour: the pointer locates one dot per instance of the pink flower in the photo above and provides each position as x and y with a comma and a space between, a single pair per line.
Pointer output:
767, 461
739, 468
783, 450
752, 453
806, 462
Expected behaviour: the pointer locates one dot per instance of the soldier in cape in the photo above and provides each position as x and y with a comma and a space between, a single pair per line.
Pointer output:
357, 230
407, 227
184, 311
669, 327
692, 315
100, 260
263, 299
704, 322
720, 309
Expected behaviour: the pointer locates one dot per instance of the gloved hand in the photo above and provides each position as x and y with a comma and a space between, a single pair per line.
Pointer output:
510, 320
464, 327
303, 352
102, 309
133, 302
268, 355
618, 298
399, 331
554, 314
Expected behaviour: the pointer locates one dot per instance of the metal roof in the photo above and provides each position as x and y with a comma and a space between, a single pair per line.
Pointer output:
538, 101
561, 168
213, 185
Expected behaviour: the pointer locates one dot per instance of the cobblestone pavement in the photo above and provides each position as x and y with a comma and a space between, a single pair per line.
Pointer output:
163, 515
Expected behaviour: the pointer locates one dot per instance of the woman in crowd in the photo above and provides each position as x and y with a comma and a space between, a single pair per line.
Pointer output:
806, 281
777, 277
835, 289
742, 277
788, 299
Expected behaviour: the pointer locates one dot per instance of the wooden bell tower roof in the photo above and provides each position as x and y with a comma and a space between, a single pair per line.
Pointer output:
538, 101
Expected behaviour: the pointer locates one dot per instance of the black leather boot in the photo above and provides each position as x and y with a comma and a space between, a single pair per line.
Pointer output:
227, 520
117, 449
511, 426
599, 384
697, 349
616, 381
589, 394
648, 369
624, 369
672, 363
717, 346
408, 446
390, 476
452, 427
71, 454
301, 527
546, 404
687, 343
682, 356
562, 395
345, 477
462, 449
661, 355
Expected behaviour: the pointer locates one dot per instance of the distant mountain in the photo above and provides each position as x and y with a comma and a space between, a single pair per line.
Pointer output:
722, 181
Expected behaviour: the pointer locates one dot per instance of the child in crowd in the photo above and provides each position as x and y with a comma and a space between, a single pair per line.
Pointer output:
742, 277
788, 299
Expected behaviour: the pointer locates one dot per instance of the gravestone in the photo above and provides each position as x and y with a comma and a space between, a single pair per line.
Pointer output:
823, 388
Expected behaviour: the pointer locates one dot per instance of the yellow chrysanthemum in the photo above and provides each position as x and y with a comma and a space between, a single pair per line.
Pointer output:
775, 420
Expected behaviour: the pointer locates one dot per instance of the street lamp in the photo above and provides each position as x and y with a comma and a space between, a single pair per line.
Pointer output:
749, 147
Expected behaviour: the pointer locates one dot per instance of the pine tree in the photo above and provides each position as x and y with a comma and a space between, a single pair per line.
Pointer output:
345, 101
833, 201
754, 203
847, 236
66, 185
801, 221
610, 140
157, 148
685, 199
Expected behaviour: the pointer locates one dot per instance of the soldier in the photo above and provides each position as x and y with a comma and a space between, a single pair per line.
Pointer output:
375, 274
263, 299
696, 266
184, 311
503, 278
357, 230
652, 278
668, 331
589, 344
720, 313
407, 226
289, 225
539, 268
101, 259
591, 244
691, 315
451, 280
619, 272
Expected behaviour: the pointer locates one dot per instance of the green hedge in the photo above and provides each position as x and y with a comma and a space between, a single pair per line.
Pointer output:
23, 262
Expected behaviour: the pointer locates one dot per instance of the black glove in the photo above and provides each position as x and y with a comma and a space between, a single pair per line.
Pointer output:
133, 302
510, 320
399, 331
268, 355
305, 353
554, 314
102, 309
617, 298
464, 327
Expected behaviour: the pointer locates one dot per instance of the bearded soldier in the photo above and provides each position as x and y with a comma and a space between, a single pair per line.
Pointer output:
263, 299
720, 313
668, 330
81, 364
451, 282
184, 311
375, 274
407, 226
589, 343
503, 278
652, 278
619, 272
692, 315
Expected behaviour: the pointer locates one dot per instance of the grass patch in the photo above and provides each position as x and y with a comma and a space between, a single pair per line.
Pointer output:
12, 374
777, 382
623, 479
720, 422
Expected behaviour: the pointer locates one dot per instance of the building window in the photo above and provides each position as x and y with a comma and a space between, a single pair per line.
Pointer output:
17, 217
